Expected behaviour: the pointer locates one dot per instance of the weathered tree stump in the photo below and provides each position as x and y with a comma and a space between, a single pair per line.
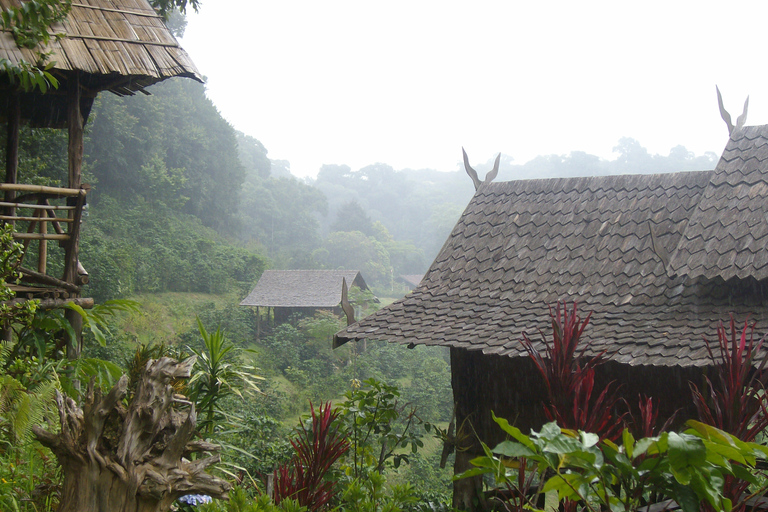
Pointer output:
131, 460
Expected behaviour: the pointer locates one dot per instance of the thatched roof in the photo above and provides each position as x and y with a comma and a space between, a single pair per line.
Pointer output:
122, 45
627, 248
302, 288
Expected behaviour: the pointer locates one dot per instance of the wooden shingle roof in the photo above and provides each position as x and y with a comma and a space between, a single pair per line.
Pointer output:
605, 242
302, 288
120, 45
728, 233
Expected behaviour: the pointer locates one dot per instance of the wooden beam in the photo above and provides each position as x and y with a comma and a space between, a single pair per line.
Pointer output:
83, 302
36, 277
40, 236
41, 189
37, 206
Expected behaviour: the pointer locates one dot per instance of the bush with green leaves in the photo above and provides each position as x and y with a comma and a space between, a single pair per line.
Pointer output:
382, 430
688, 467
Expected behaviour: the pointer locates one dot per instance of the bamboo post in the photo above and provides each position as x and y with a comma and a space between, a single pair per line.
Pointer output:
42, 250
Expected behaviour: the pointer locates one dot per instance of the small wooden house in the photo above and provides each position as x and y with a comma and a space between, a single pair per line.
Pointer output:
657, 259
121, 46
302, 292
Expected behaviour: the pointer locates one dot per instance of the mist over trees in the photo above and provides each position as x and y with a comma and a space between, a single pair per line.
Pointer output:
174, 183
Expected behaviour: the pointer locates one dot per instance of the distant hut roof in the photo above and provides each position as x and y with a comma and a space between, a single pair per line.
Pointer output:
118, 45
302, 288
412, 280
647, 254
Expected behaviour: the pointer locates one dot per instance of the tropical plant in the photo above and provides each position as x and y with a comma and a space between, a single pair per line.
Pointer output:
382, 430
12, 311
736, 401
688, 467
569, 376
372, 494
27, 473
218, 372
319, 443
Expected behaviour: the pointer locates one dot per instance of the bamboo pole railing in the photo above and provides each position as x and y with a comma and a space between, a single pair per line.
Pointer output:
35, 208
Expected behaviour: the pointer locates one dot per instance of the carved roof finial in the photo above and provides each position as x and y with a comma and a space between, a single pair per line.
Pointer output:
473, 173
727, 117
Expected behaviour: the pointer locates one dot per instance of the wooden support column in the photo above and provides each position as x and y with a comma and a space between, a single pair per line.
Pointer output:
12, 143
258, 323
75, 125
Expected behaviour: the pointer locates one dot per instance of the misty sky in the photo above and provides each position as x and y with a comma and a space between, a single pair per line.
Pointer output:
408, 83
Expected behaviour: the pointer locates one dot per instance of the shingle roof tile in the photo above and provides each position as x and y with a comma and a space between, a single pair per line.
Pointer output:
303, 288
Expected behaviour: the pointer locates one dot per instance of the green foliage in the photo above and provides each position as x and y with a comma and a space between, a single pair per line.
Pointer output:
688, 467
371, 494
10, 253
140, 248
218, 373
279, 214
161, 147
165, 7
27, 472
95, 319
382, 430
353, 250
351, 217
241, 501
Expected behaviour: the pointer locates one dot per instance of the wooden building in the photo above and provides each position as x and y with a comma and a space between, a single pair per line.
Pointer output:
302, 292
120, 46
657, 259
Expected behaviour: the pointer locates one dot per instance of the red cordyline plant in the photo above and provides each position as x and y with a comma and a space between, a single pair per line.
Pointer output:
569, 376
736, 401
318, 445
649, 416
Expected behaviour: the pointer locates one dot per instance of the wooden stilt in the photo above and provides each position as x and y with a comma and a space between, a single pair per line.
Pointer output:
258, 323
75, 161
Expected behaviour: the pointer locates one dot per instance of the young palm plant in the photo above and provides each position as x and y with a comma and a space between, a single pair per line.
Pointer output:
218, 373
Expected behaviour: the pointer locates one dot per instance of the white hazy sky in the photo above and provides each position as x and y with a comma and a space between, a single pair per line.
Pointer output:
408, 83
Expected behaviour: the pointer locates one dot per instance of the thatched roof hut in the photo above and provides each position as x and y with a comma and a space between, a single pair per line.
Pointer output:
121, 46
658, 260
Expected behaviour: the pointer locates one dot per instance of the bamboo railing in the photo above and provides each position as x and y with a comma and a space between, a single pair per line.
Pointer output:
34, 210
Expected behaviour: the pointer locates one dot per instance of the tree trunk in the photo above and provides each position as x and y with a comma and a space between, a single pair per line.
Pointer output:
130, 460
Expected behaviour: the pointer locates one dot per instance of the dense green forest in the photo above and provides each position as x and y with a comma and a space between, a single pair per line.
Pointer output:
184, 215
